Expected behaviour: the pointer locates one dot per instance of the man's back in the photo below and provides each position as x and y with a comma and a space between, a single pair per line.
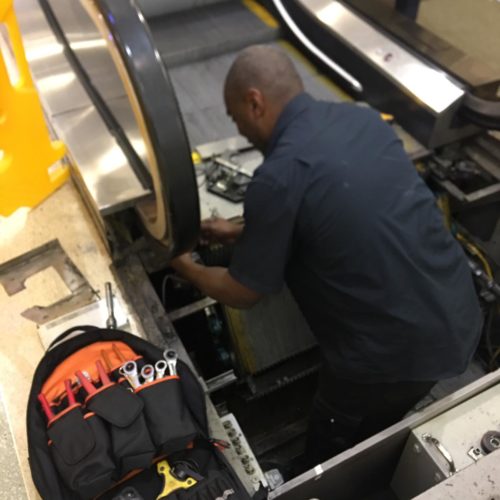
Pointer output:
382, 283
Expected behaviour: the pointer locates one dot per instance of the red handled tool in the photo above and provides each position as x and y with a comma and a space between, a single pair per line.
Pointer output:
46, 407
69, 392
102, 373
86, 384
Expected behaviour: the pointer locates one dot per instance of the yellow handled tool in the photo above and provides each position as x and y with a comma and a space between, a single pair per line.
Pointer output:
172, 483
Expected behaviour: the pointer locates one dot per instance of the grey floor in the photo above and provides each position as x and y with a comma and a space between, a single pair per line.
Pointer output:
11, 481
473, 26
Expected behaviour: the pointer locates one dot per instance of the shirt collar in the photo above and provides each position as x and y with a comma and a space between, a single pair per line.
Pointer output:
296, 106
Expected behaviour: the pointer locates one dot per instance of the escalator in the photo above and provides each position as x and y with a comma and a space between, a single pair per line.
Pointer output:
154, 73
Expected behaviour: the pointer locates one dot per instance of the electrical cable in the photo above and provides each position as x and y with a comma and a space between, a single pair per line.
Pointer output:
473, 250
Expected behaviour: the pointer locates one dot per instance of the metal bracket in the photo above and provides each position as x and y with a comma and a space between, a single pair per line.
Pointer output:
15, 272
475, 453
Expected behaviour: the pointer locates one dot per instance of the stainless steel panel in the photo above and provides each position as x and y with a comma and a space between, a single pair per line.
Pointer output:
56, 82
101, 162
434, 88
60, 91
424, 464
236, 143
120, 107
348, 471
474, 483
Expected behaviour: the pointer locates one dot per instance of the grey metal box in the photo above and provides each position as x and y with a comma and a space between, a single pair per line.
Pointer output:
445, 444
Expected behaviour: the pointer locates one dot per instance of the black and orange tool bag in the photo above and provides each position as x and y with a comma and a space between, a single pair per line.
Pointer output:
103, 423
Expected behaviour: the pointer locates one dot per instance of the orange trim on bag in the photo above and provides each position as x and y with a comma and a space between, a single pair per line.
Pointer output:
88, 415
84, 359
59, 415
154, 382
103, 388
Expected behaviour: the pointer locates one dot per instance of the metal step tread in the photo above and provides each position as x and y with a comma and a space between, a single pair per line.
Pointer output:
201, 99
191, 36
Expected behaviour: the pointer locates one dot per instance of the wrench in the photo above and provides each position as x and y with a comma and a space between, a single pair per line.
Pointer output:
129, 371
148, 373
160, 367
171, 358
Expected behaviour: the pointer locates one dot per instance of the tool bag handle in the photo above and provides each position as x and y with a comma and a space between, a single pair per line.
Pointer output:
69, 331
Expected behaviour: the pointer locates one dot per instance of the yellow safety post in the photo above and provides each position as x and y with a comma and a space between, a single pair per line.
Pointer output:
27, 152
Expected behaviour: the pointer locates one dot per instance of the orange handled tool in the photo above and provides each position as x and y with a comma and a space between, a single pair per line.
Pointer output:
102, 373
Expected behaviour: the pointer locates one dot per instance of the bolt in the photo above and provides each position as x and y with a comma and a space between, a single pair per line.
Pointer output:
249, 469
227, 424
245, 460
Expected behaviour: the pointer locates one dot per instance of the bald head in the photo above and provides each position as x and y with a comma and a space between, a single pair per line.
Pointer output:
259, 84
267, 69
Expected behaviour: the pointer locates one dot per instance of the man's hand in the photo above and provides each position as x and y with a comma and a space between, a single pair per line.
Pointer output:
182, 262
217, 230
216, 282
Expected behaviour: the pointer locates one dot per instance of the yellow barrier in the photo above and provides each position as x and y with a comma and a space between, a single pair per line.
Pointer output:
27, 154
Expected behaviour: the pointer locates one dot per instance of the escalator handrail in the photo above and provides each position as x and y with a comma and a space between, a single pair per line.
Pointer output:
290, 23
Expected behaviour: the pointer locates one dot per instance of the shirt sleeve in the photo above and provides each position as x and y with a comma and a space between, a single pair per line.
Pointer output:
262, 251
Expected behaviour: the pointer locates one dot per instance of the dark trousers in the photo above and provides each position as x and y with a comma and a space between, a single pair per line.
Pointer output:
345, 413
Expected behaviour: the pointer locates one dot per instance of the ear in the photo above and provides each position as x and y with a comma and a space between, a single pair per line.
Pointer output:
256, 102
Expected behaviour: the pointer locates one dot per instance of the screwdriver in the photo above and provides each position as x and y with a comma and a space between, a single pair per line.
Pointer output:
118, 353
46, 407
86, 384
69, 392
111, 321
102, 373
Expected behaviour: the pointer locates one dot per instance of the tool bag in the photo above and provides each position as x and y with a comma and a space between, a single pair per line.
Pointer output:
93, 433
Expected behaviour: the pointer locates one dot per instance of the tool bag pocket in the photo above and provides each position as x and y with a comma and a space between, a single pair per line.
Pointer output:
80, 449
130, 439
218, 484
169, 420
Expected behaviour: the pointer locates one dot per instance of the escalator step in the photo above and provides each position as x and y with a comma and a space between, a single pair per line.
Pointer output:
190, 36
155, 8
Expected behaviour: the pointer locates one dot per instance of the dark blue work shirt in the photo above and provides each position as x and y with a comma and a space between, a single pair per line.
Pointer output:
339, 213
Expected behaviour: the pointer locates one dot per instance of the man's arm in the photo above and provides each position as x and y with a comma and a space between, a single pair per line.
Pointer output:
217, 230
216, 282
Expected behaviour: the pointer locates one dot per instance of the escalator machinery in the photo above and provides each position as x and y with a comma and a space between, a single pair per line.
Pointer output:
155, 137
